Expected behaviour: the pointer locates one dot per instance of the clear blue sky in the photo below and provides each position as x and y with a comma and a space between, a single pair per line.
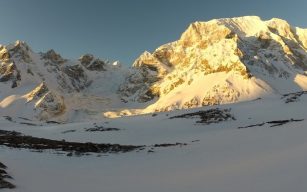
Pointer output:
123, 29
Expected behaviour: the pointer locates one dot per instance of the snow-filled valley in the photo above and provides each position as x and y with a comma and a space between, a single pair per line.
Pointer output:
217, 157
221, 109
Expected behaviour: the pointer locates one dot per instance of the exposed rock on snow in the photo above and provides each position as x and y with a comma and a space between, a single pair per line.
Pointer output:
86, 59
21, 51
293, 97
77, 76
90, 63
19, 141
272, 123
4, 184
53, 57
38, 92
50, 105
209, 116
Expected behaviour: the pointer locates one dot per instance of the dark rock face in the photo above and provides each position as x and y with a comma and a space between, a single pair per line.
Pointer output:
9, 72
92, 64
53, 57
74, 71
86, 59
6, 77
97, 65
70, 77
77, 76
4, 184
21, 51
140, 81
51, 105
4, 55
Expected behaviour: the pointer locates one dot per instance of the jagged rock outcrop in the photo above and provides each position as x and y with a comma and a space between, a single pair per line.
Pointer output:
47, 103
4, 54
53, 57
50, 105
90, 63
8, 70
77, 77
86, 59
37, 93
20, 51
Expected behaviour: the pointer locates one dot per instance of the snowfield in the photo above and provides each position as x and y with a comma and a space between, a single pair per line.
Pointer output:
218, 157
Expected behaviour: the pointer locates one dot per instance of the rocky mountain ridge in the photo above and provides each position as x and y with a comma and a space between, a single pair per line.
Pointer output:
49, 86
216, 62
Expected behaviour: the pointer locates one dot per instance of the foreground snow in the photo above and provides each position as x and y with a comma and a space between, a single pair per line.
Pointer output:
219, 157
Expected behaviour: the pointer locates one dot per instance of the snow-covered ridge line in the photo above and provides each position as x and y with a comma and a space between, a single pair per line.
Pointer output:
216, 62
45, 86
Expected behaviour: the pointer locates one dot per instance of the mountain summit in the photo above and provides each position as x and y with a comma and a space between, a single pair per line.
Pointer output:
222, 61
215, 62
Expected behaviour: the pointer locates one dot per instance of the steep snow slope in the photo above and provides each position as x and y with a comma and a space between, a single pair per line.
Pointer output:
221, 61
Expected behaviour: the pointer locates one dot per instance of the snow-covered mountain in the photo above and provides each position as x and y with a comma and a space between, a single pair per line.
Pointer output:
215, 62
221, 61
45, 86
